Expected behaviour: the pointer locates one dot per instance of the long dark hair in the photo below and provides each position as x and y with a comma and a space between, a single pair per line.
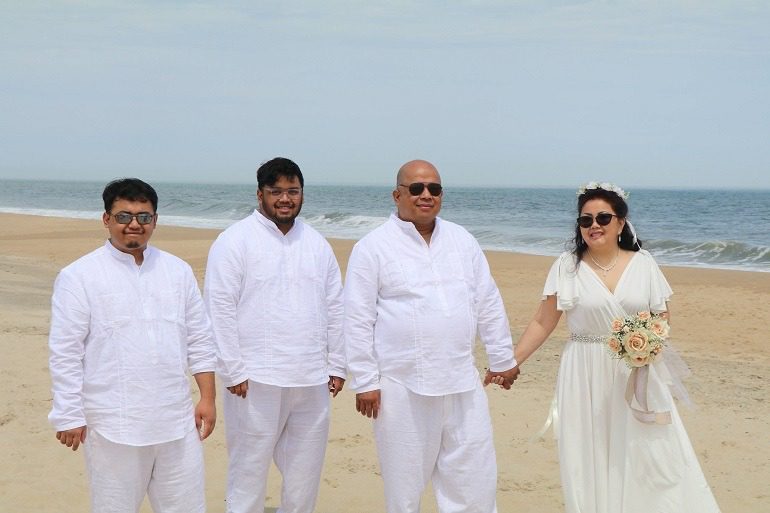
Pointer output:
620, 207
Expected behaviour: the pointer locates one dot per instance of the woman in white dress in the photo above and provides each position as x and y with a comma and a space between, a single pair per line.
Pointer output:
610, 461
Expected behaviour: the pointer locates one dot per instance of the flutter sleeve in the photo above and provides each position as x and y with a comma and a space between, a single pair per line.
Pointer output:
671, 368
660, 290
562, 283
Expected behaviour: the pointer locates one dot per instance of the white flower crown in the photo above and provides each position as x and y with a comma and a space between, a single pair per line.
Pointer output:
607, 186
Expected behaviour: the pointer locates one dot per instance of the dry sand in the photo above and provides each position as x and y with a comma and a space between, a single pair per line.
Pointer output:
719, 319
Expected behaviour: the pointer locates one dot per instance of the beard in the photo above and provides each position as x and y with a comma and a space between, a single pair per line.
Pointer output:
272, 213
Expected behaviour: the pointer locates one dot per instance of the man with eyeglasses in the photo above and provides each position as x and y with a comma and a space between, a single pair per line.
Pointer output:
274, 292
418, 291
127, 325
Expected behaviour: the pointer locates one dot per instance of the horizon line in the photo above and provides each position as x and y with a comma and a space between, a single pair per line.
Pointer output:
733, 187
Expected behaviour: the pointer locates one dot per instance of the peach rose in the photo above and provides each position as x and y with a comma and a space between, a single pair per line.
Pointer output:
614, 344
660, 328
637, 342
639, 360
617, 325
643, 315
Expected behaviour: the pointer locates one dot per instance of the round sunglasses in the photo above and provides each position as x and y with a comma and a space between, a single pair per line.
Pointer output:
602, 219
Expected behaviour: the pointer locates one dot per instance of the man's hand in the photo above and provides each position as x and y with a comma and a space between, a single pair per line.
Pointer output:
205, 417
72, 437
335, 385
240, 389
368, 403
504, 378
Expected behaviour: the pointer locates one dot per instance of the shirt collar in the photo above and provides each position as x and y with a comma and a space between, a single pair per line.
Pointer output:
408, 227
149, 251
270, 224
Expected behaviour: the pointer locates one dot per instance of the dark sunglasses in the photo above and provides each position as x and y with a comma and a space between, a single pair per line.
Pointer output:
602, 219
416, 188
126, 218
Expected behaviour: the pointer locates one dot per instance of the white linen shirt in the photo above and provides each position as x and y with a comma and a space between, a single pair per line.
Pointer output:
275, 302
413, 310
122, 339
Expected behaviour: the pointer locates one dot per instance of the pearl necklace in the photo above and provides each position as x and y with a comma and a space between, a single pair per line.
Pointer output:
608, 268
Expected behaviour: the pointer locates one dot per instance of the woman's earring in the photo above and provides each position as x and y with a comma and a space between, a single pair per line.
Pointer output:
619, 236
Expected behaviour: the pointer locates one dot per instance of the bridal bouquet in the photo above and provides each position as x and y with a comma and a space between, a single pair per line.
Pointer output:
638, 339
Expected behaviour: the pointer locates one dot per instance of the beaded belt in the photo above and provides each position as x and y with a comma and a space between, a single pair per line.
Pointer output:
591, 339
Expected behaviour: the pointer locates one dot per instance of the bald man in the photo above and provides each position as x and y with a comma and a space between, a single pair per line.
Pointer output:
417, 293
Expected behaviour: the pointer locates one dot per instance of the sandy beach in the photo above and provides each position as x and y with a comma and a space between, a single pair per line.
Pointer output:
718, 319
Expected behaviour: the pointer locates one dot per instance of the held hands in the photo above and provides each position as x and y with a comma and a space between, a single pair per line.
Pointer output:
335, 385
368, 403
72, 437
505, 378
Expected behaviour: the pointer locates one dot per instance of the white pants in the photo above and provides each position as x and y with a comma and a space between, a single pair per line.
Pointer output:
171, 473
447, 439
289, 425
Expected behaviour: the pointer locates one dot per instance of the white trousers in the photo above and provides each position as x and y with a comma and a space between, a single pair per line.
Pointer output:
289, 425
171, 474
447, 439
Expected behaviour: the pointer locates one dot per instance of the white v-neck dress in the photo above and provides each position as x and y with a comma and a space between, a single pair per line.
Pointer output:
610, 461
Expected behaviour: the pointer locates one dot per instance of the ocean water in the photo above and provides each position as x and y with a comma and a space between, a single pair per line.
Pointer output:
728, 229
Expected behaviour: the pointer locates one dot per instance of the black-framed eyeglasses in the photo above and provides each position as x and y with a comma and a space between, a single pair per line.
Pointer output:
416, 188
275, 192
602, 219
126, 218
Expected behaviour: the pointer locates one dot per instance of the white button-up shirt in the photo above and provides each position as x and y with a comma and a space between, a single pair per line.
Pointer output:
413, 310
275, 302
122, 340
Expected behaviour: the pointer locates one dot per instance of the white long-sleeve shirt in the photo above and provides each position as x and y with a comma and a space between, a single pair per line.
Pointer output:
123, 338
275, 302
413, 310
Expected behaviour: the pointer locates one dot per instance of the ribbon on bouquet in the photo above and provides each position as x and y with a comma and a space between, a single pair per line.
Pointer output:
637, 388
553, 418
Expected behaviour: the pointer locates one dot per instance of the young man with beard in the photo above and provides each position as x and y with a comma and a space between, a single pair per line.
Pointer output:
418, 291
274, 294
127, 324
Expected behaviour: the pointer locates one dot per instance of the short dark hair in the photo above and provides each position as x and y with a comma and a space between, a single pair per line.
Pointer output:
269, 172
620, 207
131, 189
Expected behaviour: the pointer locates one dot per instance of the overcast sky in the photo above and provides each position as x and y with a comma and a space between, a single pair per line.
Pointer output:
496, 93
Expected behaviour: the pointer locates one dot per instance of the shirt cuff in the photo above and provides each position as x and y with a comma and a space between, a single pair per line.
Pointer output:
231, 382
64, 425
367, 388
504, 366
203, 368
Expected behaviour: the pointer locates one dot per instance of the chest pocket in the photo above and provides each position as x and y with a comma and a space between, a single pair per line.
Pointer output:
170, 308
393, 281
111, 313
